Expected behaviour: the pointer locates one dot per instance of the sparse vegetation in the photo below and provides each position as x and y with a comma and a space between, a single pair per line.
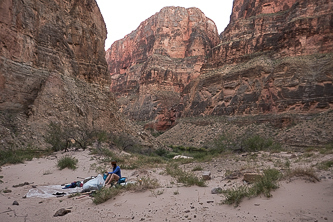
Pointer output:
264, 186
187, 178
196, 154
325, 165
106, 193
67, 162
328, 149
197, 168
20, 155
245, 143
56, 136
62, 138
307, 173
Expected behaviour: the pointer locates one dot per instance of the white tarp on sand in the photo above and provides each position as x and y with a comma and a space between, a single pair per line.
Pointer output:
48, 191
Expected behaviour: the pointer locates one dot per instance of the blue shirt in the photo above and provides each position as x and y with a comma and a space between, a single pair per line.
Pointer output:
116, 171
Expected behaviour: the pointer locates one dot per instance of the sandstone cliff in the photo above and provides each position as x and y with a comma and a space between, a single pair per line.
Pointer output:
274, 57
53, 69
153, 64
272, 63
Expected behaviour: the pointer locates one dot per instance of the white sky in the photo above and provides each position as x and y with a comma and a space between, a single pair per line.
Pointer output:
124, 16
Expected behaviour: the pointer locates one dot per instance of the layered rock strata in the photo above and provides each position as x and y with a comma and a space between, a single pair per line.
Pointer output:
53, 69
274, 57
153, 64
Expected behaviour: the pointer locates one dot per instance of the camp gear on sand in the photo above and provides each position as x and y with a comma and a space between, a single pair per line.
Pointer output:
94, 184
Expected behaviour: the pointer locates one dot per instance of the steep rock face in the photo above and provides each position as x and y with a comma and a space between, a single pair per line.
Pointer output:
37, 38
280, 28
153, 64
53, 68
274, 57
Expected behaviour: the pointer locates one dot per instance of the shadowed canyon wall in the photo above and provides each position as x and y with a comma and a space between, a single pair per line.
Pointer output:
53, 69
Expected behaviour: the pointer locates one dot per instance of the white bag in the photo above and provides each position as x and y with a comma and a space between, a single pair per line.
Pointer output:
94, 184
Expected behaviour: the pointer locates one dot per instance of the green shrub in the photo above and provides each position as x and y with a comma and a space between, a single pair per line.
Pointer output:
235, 195
127, 143
187, 178
145, 183
56, 137
244, 143
325, 165
220, 144
67, 162
262, 186
257, 143
266, 184
107, 193
161, 152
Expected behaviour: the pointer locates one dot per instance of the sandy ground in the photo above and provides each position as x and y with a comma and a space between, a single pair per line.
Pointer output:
295, 200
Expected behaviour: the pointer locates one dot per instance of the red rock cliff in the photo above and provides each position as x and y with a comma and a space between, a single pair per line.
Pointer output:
274, 57
53, 68
282, 28
153, 64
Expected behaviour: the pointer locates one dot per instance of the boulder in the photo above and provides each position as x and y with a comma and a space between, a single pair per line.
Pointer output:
61, 212
206, 175
252, 177
216, 190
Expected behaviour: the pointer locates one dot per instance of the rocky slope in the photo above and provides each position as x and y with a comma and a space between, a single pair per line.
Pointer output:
153, 64
53, 69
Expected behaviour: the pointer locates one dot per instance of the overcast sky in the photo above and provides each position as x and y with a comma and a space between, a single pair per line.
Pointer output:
124, 16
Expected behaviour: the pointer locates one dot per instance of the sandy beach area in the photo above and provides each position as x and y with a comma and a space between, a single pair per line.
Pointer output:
296, 199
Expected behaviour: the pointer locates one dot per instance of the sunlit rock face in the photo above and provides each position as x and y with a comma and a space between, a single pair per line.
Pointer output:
153, 64
274, 57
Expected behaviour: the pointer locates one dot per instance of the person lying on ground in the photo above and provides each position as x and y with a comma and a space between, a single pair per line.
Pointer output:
115, 175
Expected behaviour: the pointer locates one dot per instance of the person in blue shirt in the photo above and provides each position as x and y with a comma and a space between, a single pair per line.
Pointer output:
115, 175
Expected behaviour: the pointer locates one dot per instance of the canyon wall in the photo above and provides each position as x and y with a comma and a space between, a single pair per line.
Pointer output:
274, 57
153, 64
53, 69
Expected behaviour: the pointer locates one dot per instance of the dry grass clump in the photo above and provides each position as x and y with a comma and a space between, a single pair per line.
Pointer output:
187, 178
106, 193
197, 168
145, 183
263, 186
67, 162
306, 173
